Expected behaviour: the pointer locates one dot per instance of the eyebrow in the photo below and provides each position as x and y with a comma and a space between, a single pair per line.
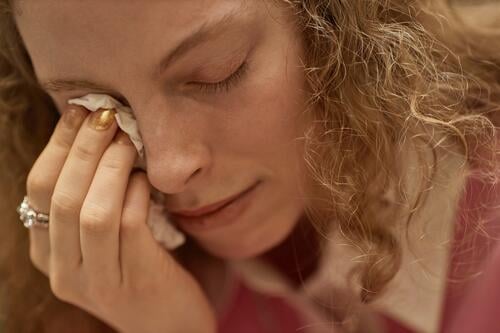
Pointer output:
202, 34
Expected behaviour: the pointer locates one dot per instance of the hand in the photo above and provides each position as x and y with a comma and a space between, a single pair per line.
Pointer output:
98, 251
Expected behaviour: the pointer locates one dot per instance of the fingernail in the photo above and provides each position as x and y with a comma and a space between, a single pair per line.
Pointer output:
122, 138
102, 119
73, 117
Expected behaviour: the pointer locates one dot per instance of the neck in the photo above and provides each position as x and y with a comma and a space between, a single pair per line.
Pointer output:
297, 257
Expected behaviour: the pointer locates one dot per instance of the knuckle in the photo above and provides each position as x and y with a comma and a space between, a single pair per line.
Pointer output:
59, 287
61, 142
113, 164
36, 183
64, 204
85, 152
101, 294
131, 221
142, 287
95, 220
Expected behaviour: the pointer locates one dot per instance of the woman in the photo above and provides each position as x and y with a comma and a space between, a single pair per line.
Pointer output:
391, 125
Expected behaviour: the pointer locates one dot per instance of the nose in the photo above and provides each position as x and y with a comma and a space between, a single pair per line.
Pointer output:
172, 168
174, 151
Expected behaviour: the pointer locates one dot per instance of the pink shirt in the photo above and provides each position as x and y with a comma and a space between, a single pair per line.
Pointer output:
472, 301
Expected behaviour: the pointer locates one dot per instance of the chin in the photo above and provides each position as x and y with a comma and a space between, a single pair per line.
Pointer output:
236, 252
244, 247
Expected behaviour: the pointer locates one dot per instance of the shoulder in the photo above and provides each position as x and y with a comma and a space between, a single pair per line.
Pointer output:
415, 296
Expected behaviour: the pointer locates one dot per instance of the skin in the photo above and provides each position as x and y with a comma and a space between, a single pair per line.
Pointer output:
200, 146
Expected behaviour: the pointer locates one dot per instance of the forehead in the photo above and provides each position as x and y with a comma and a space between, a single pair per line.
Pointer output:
116, 21
74, 36
126, 9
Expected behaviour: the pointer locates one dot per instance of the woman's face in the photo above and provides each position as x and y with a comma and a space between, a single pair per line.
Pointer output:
202, 143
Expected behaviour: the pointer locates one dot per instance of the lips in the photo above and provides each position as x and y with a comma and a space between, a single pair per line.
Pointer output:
210, 208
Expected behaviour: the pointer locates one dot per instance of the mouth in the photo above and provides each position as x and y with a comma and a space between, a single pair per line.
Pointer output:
210, 209
228, 214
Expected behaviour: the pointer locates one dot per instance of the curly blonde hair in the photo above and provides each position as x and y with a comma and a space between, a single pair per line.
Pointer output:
382, 74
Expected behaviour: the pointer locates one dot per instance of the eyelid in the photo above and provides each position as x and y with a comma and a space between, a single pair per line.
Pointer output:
234, 78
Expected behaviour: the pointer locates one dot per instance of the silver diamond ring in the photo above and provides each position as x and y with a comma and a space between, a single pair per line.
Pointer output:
30, 217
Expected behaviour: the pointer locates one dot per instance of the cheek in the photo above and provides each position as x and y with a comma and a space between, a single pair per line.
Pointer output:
268, 113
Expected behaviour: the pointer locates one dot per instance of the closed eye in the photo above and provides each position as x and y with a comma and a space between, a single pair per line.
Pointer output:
224, 85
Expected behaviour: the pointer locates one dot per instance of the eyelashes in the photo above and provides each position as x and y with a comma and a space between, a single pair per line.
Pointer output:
214, 88
226, 84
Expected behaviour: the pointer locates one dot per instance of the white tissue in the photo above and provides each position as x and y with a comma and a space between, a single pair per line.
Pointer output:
162, 229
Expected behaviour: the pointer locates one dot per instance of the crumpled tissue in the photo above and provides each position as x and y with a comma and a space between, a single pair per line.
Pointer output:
162, 228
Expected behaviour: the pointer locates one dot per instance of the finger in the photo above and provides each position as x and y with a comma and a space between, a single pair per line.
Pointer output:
43, 176
139, 252
72, 187
39, 249
101, 212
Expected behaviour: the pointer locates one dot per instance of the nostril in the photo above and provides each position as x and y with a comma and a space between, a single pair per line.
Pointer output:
194, 174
